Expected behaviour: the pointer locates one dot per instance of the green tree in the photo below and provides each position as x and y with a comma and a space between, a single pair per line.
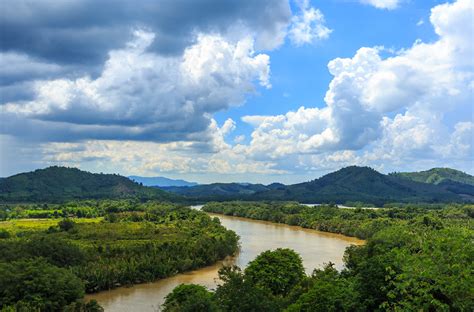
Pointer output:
239, 294
189, 298
329, 292
66, 224
38, 284
278, 271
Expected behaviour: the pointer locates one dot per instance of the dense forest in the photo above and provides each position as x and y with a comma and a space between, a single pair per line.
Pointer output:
49, 264
414, 259
61, 184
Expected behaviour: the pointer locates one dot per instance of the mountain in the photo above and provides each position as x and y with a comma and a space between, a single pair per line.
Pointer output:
361, 184
353, 183
161, 181
57, 184
437, 176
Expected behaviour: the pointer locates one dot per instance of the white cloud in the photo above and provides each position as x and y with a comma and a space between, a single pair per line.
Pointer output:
413, 105
383, 4
308, 26
145, 96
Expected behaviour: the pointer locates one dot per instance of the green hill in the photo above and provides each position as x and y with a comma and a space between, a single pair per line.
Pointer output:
437, 176
57, 184
362, 184
350, 184
218, 191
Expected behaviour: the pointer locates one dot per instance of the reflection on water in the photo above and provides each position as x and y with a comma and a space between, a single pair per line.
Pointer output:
314, 247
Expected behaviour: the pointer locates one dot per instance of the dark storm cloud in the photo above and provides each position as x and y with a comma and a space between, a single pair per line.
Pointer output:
82, 32
35, 130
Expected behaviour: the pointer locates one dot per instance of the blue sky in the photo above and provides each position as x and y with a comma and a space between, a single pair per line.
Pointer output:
250, 91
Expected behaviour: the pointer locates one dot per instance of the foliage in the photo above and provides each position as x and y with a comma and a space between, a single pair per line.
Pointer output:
415, 259
328, 292
189, 298
279, 271
66, 224
38, 284
147, 241
238, 293
361, 223
412, 267
437, 176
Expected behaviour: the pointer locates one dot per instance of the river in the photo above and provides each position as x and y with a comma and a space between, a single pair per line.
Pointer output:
315, 248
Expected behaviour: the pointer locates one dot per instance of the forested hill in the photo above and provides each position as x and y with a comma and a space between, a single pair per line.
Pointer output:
362, 184
437, 176
57, 184
218, 190
350, 184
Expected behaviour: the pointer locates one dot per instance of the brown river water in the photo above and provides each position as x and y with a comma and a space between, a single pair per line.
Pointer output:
315, 248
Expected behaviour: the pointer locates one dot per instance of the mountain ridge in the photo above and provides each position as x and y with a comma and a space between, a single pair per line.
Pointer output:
161, 181
352, 183
349, 184
57, 184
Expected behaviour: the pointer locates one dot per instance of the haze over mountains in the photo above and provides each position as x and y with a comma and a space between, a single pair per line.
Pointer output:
350, 184
161, 181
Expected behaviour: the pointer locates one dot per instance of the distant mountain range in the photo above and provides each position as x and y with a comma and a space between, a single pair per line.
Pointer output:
58, 184
353, 183
222, 190
161, 181
362, 184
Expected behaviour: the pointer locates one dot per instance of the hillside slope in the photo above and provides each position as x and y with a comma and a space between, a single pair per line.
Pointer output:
57, 184
219, 191
353, 184
437, 176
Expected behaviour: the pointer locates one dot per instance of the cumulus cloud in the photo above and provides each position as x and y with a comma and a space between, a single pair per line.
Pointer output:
383, 4
400, 107
308, 26
144, 96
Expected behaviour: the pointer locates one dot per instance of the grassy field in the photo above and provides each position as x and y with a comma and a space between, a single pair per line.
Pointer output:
28, 225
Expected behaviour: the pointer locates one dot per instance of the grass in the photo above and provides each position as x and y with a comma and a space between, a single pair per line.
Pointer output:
22, 225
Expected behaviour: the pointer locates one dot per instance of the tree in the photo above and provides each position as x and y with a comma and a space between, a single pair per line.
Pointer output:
239, 294
329, 292
66, 224
39, 285
278, 271
189, 298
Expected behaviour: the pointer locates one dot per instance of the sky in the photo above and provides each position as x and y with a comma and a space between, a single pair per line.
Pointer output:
236, 90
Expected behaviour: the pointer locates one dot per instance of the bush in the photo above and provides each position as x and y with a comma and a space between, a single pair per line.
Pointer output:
66, 224
4, 234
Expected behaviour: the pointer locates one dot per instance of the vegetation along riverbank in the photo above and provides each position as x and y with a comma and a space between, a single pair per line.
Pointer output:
48, 265
415, 259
